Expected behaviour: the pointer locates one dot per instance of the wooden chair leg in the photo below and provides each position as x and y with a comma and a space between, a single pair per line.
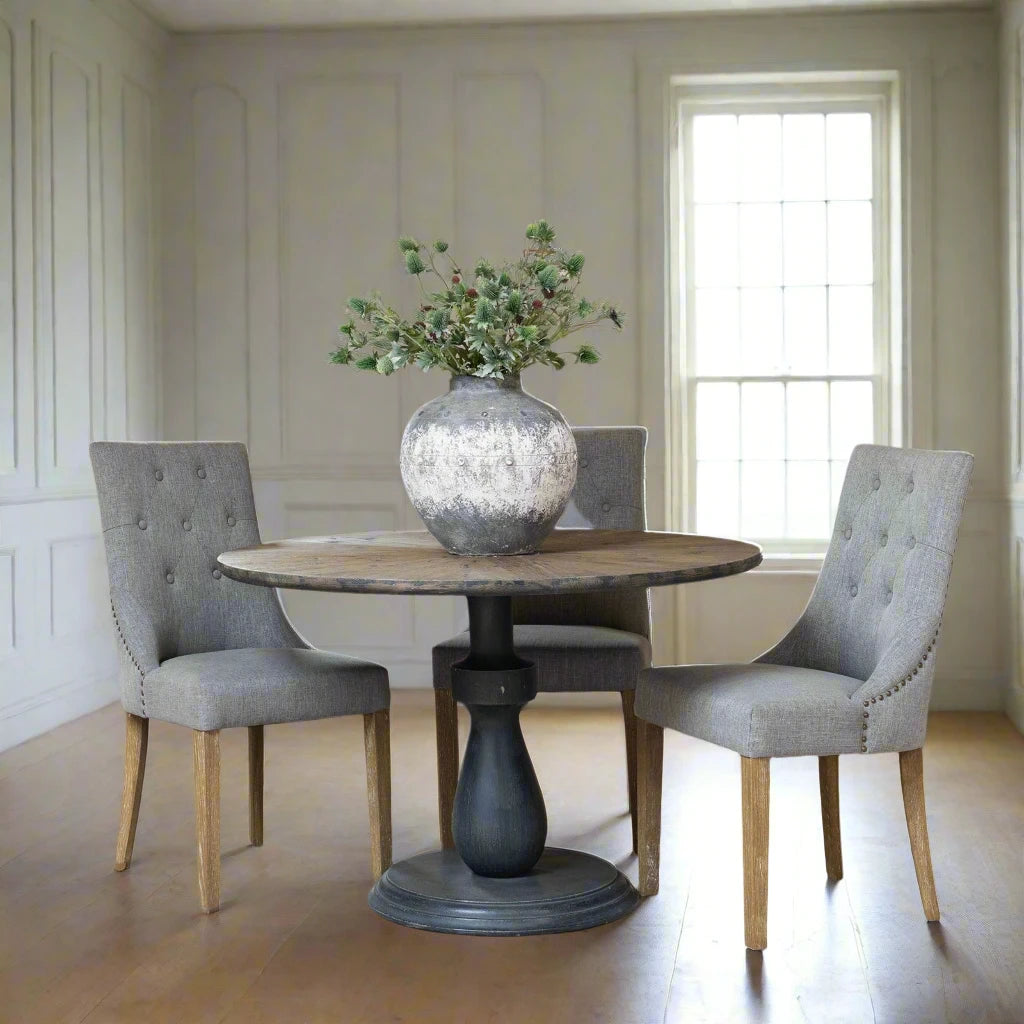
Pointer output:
256, 785
912, 781
828, 782
649, 757
755, 776
136, 740
206, 765
377, 740
629, 724
446, 720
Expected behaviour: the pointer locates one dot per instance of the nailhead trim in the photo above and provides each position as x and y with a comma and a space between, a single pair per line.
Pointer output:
131, 657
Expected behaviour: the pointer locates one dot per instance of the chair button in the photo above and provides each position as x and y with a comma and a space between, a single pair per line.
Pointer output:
201, 473
186, 525
159, 474
584, 463
216, 574
911, 543
875, 484
888, 597
910, 487
606, 507
170, 577
853, 590
231, 520
143, 524
885, 539
848, 532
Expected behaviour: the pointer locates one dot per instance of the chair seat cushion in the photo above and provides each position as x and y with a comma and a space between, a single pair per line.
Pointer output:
261, 686
757, 710
568, 658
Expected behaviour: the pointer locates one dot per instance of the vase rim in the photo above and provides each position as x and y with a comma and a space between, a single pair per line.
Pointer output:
466, 381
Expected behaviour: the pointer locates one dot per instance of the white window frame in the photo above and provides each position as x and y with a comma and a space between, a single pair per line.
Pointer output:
876, 94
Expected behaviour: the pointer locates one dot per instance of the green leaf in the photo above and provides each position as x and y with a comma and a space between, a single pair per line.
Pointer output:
385, 366
358, 306
367, 363
587, 354
341, 355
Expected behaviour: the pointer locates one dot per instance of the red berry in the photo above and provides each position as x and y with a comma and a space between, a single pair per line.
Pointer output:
537, 304
472, 293
456, 279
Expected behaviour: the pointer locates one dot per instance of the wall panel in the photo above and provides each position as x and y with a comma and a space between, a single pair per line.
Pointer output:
340, 215
8, 380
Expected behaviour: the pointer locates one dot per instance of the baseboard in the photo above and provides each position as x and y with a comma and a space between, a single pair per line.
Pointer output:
1015, 707
967, 691
35, 715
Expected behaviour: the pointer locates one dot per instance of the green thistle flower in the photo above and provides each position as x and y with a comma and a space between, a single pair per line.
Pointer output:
414, 262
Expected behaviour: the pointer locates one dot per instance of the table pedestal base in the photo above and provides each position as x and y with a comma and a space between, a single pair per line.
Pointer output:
566, 891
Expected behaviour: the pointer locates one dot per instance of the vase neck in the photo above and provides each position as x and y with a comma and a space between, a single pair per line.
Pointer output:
466, 382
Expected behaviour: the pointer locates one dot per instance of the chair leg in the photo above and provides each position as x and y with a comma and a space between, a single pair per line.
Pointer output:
828, 782
912, 781
206, 766
136, 740
649, 758
629, 724
256, 785
755, 774
377, 740
446, 720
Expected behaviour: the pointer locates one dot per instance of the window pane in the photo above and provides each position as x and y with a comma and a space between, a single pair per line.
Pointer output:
714, 158
851, 347
803, 156
849, 243
760, 150
761, 330
715, 245
804, 241
807, 420
717, 324
718, 498
763, 421
760, 243
763, 499
807, 493
848, 156
852, 417
718, 421
806, 349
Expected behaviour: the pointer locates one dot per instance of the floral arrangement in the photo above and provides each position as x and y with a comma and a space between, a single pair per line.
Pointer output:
506, 319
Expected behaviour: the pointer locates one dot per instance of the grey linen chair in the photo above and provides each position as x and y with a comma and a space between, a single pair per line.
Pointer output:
203, 651
854, 674
579, 642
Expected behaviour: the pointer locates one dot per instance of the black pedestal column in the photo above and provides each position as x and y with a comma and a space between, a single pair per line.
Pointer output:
502, 880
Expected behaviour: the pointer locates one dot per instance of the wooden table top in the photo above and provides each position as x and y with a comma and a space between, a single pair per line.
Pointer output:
412, 562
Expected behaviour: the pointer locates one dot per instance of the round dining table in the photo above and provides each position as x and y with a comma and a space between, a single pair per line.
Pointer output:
500, 879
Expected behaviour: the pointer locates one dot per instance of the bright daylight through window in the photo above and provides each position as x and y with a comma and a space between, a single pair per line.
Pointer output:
783, 252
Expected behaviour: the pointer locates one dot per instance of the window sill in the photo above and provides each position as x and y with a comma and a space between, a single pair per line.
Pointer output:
788, 562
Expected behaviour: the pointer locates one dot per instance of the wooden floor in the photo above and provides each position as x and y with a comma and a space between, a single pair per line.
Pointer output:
295, 941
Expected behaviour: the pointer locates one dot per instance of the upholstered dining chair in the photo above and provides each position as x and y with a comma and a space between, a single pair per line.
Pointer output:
580, 643
205, 652
854, 674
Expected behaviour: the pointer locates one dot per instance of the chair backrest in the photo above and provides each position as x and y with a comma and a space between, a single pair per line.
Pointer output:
883, 582
609, 495
168, 511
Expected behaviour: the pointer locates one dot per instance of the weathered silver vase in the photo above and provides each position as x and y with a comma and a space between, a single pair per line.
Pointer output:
488, 467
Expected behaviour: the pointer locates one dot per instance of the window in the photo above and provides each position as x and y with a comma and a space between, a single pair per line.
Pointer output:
783, 257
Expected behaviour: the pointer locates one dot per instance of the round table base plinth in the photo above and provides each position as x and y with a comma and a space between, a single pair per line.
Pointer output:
565, 892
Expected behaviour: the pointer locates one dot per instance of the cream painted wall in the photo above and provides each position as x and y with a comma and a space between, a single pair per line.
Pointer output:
79, 92
1011, 137
293, 161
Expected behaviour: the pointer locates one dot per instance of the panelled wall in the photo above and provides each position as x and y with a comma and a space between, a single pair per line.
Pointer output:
293, 161
1012, 153
79, 93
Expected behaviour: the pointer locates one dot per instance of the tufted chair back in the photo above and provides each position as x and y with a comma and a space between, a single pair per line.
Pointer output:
609, 495
875, 610
168, 511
